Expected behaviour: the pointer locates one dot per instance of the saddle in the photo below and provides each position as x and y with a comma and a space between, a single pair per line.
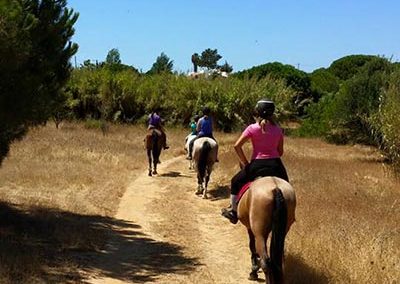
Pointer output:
243, 191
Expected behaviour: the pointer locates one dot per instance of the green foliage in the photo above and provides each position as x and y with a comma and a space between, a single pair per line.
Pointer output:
348, 66
346, 115
209, 59
126, 96
113, 57
226, 67
294, 78
323, 82
35, 49
162, 65
386, 122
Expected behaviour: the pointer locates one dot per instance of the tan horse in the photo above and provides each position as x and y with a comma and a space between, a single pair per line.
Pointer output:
205, 152
153, 142
268, 206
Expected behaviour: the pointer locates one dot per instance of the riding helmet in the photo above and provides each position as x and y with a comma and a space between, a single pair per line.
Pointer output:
265, 108
206, 111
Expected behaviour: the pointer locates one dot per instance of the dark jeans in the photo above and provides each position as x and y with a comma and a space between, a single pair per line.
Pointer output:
258, 168
192, 142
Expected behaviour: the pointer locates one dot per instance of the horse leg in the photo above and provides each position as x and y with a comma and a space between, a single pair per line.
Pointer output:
155, 162
207, 179
149, 158
199, 185
265, 262
255, 262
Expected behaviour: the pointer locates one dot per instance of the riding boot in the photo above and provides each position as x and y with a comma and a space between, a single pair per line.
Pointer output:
231, 212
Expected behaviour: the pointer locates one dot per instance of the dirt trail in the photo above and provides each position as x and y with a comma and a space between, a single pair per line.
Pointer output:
175, 236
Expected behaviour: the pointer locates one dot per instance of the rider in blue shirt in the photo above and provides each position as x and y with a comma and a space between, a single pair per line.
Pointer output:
204, 129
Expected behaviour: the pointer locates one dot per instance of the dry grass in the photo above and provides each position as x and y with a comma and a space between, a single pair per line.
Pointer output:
61, 188
348, 213
59, 191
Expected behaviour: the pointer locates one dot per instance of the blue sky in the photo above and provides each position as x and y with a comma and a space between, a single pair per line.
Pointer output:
305, 33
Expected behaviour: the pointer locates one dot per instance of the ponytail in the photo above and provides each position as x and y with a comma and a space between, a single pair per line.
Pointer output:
263, 121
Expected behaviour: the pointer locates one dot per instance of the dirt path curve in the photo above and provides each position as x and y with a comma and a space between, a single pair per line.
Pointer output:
175, 236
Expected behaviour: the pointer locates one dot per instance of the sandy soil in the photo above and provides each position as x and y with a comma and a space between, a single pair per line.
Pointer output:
176, 236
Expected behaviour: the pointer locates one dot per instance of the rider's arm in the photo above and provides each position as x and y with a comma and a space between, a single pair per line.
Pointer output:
239, 150
198, 126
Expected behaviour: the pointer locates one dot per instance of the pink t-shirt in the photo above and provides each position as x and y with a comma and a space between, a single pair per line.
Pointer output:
265, 145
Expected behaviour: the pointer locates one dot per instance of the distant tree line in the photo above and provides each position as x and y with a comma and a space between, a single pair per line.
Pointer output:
355, 100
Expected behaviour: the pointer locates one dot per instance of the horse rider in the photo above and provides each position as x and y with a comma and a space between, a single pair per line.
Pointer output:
193, 125
266, 137
155, 122
204, 128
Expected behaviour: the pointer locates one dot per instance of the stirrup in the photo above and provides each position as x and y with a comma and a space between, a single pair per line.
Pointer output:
230, 214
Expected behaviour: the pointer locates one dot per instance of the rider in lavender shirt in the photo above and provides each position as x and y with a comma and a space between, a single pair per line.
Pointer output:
155, 121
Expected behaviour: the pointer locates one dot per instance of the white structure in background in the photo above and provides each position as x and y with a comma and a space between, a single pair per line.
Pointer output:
207, 73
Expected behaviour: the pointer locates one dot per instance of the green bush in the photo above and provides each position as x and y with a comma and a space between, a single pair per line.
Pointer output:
127, 96
386, 122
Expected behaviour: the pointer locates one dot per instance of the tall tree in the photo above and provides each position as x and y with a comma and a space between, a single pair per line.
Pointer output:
113, 57
209, 58
195, 61
226, 67
162, 65
35, 52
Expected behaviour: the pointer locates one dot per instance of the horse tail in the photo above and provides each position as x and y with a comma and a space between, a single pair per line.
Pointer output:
279, 223
203, 158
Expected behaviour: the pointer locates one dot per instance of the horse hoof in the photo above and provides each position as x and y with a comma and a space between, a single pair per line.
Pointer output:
205, 196
155, 173
149, 174
253, 276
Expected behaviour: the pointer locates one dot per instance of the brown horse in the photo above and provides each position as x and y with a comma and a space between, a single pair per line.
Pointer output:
267, 206
153, 142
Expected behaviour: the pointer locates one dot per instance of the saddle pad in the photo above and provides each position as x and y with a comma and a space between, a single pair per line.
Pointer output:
243, 190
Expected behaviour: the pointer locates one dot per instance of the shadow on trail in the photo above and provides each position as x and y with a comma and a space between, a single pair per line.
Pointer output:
174, 174
42, 245
297, 271
220, 192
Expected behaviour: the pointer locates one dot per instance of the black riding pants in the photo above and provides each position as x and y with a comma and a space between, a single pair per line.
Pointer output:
258, 168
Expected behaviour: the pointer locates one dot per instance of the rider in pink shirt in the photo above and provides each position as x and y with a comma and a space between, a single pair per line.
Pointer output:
267, 140
265, 143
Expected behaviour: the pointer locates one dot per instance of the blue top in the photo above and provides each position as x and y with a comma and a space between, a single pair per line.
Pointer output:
205, 126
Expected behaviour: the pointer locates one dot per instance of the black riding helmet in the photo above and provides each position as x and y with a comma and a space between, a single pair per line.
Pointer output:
206, 110
265, 108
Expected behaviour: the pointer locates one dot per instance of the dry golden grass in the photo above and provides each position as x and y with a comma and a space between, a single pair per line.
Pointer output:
348, 213
60, 189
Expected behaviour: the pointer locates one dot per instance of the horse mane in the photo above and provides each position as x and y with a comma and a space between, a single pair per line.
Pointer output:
279, 223
203, 157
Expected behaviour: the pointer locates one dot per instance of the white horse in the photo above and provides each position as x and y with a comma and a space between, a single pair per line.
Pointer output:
188, 139
205, 151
